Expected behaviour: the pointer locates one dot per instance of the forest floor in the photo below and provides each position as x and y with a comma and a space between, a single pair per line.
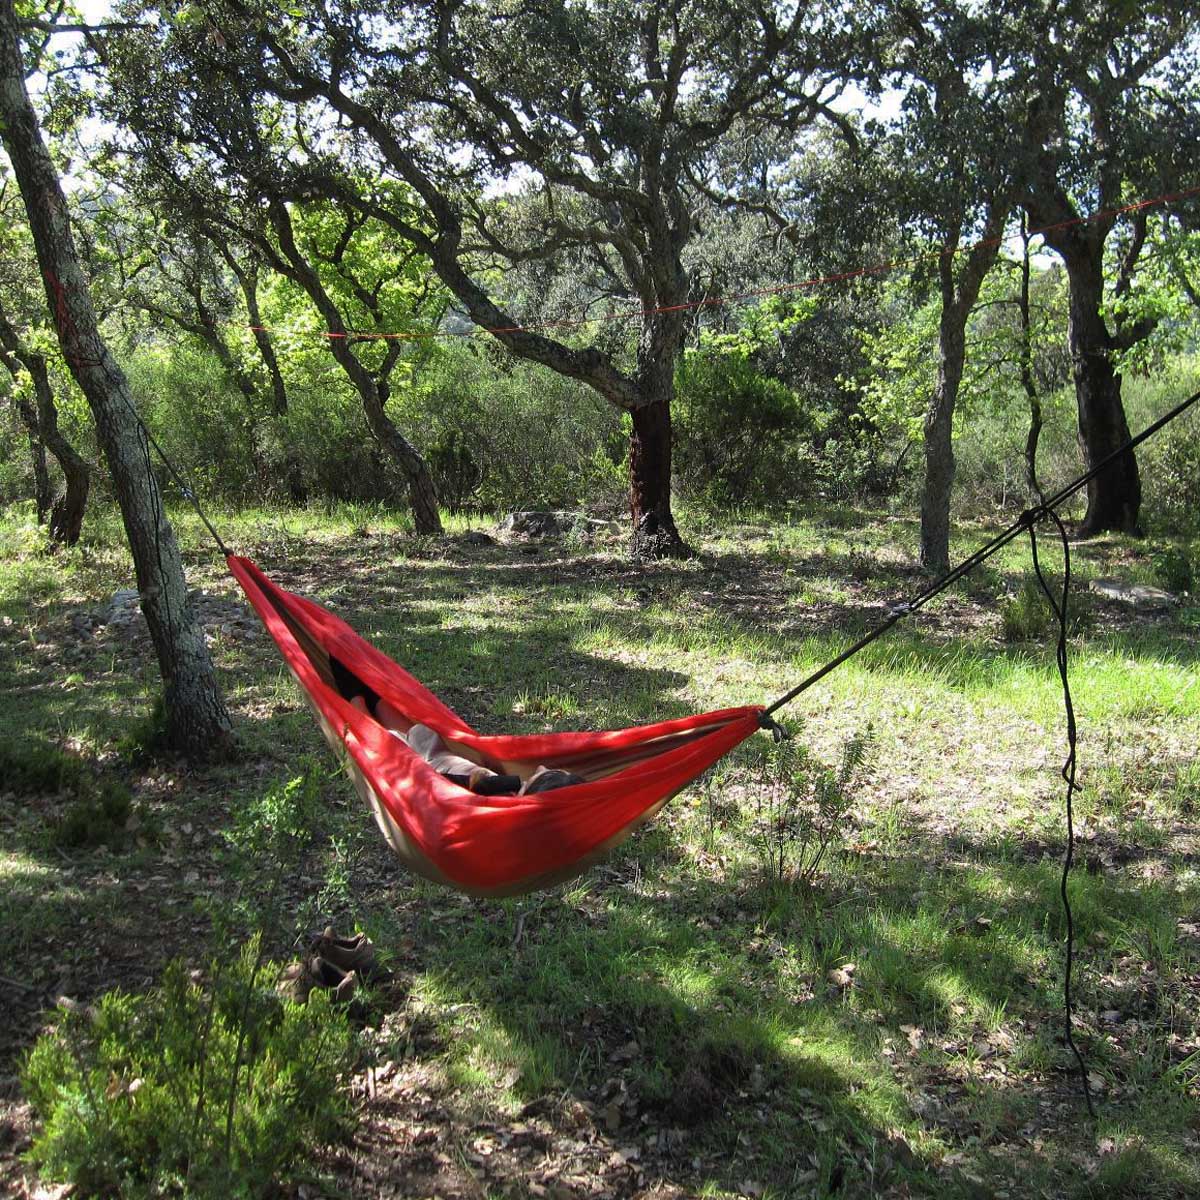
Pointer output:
679, 1021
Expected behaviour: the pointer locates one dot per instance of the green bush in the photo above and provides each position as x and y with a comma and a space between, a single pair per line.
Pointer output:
202, 1086
1173, 569
1171, 470
804, 805
198, 417
98, 817
738, 433
502, 434
1026, 616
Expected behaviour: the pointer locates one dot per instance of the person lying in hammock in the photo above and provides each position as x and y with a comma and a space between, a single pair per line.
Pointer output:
466, 773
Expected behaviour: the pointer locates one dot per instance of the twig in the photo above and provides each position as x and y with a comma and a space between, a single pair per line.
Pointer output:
18, 983
519, 932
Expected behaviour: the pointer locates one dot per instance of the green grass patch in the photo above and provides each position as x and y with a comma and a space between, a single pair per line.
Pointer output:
94, 809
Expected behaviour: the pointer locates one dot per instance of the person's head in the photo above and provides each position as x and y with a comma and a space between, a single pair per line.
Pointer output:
546, 779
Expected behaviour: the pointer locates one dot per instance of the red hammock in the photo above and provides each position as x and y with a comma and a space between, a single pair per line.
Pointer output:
485, 845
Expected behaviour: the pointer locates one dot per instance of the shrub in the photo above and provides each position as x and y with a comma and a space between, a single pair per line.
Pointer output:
804, 804
1026, 615
503, 434
1173, 569
737, 432
203, 1086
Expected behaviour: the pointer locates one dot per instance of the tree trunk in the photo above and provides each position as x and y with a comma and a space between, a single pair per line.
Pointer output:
43, 491
66, 515
422, 497
197, 720
293, 473
654, 532
373, 392
1114, 497
958, 299
939, 445
1033, 487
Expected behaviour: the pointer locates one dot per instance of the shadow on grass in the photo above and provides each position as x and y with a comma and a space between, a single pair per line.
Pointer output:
704, 1009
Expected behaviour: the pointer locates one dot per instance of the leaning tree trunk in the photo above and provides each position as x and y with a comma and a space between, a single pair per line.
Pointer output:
654, 532
372, 391
422, 497
43, 489
197, 720
65, 514
1114, 497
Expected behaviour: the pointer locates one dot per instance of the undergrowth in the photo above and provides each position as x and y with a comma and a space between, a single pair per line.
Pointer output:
803, 805
208, 1084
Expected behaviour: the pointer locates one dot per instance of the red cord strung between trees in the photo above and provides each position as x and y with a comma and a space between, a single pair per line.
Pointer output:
780, 289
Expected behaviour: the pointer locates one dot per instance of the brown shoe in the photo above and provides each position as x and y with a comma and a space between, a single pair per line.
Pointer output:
351, 954
300, 979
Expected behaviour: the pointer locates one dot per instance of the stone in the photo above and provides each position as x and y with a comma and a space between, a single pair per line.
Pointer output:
534, 524
124, 606
1138, 595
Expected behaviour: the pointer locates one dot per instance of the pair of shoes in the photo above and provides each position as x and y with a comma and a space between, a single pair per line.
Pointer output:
301, 979
350, 954
355, 953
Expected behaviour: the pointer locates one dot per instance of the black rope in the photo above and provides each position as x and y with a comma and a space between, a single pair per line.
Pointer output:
1025, 521
1068, 774
188, 493
1028, 520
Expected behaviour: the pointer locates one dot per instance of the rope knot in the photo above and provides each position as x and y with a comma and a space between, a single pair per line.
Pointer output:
1031, 516
766, 721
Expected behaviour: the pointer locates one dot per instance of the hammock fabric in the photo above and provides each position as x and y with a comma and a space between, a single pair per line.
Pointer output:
483, 845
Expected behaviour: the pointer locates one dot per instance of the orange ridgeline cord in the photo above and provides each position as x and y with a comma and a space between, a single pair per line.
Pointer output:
755, 294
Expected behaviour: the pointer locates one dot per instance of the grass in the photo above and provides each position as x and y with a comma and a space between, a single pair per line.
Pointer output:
676, 1014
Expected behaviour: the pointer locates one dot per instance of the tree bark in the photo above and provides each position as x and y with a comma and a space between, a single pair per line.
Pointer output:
654, 531
65, 512
1114, 497
422, 497
1033, 487
197, 720
939, 444
958, 299
43, 490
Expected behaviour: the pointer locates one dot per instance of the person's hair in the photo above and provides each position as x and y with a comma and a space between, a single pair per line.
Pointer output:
547, 781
